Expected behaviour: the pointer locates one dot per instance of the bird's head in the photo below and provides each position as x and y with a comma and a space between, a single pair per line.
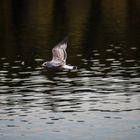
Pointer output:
45, 64
49, 65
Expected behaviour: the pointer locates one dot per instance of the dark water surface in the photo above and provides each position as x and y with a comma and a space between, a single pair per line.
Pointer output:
98, 101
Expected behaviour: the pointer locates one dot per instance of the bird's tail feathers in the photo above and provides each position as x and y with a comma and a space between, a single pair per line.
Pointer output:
69, 67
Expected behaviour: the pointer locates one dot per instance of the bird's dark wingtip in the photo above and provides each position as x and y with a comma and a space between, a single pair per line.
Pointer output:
64, 41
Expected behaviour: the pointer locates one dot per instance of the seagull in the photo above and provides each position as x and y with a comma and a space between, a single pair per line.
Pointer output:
59, 57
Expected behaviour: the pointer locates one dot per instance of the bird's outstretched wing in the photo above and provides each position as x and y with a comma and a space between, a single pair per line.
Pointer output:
59, 52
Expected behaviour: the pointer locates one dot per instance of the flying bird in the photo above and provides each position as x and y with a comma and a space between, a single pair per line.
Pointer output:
59, 57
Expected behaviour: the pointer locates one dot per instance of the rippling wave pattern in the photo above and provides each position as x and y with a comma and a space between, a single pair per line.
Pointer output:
100, 100
112, 86
28, 94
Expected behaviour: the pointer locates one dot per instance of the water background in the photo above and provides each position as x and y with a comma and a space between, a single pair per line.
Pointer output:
98, 101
